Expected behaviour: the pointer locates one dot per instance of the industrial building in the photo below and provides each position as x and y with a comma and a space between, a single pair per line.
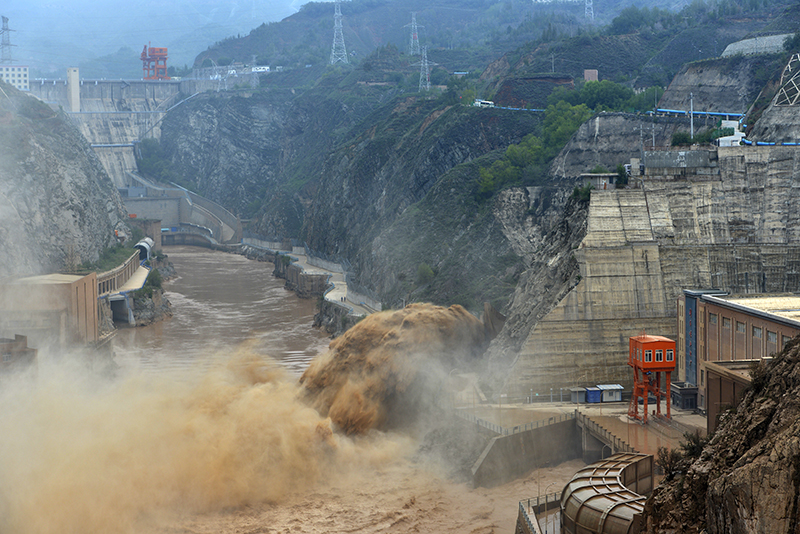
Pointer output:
55, 310
16, 75
721, 336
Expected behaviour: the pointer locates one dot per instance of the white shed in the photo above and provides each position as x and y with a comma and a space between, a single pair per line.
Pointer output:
611, 392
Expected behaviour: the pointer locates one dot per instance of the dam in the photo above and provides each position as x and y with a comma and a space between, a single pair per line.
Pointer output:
114, 116
697, 218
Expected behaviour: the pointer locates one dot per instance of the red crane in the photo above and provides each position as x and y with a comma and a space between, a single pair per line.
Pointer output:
650, 356
154, 63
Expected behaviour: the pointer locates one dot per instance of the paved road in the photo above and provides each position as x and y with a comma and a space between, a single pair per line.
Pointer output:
339, 290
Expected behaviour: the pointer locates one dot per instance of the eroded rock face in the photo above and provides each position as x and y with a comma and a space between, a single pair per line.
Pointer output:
747, 478
57, 204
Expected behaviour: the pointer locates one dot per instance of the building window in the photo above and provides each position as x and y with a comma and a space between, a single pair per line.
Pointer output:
648, 356
712, 318
702, 376
740, 328
726, 322
670, 355
772, 337
785, 340
659, 355
757, 332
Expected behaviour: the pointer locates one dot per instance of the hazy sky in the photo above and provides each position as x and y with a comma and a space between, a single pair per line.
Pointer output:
51, 35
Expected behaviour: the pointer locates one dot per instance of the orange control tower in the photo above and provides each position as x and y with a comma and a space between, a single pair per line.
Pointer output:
154, 63
650, 356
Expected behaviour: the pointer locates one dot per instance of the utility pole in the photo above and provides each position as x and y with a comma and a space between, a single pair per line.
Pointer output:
425, 71
338, 51
5, 53
589, 11
413, 46
691, 114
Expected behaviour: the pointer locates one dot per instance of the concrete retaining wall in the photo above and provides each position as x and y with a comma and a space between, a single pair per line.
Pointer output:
167, 209
324, 264
304, 284
508, 457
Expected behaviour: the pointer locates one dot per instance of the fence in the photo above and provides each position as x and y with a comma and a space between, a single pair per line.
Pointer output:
617, 444
110, 281
532, 507
497, 429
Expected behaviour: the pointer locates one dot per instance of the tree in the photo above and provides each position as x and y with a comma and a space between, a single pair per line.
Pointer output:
668, 461
424, 274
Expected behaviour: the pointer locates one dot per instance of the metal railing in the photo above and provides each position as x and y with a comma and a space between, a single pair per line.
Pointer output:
110, 281
617, 444
537, 505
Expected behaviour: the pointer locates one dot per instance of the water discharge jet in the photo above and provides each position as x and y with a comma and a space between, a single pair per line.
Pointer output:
386, 369
84, 454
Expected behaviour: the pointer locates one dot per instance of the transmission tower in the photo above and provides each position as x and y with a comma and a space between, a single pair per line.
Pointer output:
413, 46
5, 53
425, 71
589, 10
338, 51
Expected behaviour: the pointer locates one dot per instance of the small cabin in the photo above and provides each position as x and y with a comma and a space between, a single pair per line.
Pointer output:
652, 353
611, 392
594, 395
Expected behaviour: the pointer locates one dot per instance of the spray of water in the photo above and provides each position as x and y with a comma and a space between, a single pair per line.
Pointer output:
390, 367
83, 455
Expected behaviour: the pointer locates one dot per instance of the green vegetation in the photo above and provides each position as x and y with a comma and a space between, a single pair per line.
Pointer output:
110, 258
606, 95
526, 162
683, 138
153, 161
114, 256
584, 193
425, 274
152, 283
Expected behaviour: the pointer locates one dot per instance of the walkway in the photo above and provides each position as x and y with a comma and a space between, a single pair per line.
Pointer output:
334, 295
134, 282
611, 416
339, 290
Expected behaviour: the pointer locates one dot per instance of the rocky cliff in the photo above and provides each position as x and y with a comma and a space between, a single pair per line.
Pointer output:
259, 153
57, 204
730, 84
399, 196
747, 478
729, 224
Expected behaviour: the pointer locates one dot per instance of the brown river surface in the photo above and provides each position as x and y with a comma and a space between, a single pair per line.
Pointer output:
220, 301
202, 431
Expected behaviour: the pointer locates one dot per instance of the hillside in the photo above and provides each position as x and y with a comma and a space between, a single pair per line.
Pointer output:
461, 35
55, 198
746, 477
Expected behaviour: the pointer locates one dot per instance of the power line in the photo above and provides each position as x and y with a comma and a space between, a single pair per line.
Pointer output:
338, 51
413, 47
425, 71
5, 48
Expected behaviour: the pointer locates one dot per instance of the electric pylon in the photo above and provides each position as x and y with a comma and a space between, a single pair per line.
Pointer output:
338, 51
5, 53
413, 46
589, 10
425, 71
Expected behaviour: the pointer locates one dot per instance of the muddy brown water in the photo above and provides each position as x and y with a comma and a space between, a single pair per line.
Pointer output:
220, 301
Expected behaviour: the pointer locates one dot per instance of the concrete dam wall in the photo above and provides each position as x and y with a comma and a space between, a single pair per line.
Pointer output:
732, 224
111, 115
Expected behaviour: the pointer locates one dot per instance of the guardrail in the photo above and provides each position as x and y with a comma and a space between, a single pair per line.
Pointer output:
617, 444
536, 505
109, 281
497, 429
